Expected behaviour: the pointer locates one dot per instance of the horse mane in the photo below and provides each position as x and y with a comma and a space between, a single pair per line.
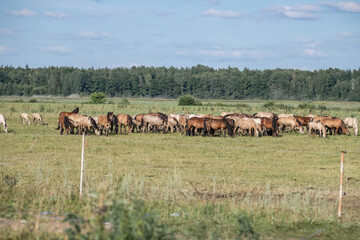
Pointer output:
229, 128
76, 110
108, 116
254, 114
227, 115
93, 123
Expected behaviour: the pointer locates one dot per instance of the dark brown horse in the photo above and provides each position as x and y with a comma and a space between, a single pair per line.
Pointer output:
269, 126
192, 124
64, 123
211, 125
75, 111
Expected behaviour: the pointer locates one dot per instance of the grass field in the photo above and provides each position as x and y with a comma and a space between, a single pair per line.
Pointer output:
171, 186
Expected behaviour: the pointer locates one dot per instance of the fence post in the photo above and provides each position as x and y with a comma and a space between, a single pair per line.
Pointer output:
341, 183
82, 163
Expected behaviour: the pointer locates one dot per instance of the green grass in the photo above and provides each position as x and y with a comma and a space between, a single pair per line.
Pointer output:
194, 187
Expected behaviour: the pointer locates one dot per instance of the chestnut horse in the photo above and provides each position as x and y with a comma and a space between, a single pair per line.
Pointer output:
269, 126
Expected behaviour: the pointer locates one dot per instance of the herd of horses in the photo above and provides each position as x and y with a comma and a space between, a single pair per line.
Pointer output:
227, 124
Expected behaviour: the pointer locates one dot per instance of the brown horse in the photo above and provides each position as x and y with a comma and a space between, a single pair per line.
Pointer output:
269, 126
335, 124
64, 123
75, 111
303, 121
138, 122
211, 125
105, 122
173, 124
290, 122
192, 124
125, 120
182, 123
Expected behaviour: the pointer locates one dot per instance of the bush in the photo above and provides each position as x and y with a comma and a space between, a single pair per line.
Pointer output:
33, 100
98, 98
187, 100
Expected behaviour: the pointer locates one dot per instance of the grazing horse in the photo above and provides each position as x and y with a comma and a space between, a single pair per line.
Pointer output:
290, 122
211, 125
105, 122
335, 124
138, 122
3, 122
192, 124
303, 120
246, 124
173, 124
37, 118
125, 120
313, 127
25, 118
64, 123
269, 126
156, 121
75, 111
87, 124
352, 123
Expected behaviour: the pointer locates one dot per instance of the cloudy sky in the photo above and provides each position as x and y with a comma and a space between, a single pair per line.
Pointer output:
257, 34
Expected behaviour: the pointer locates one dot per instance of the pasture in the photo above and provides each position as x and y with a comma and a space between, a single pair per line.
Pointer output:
172, 186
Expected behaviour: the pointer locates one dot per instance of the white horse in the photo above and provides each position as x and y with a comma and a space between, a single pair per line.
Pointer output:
316, 126
352, 123
3, 122
25, 118
37, 118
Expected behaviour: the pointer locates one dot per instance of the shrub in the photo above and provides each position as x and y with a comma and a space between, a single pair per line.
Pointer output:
187, 100
98, 98
33, 100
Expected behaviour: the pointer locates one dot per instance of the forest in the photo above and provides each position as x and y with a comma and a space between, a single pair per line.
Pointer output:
199, 81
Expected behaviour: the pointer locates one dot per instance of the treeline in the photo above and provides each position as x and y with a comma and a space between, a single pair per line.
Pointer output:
199, 81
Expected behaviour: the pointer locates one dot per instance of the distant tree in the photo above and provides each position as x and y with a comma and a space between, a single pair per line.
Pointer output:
98, 98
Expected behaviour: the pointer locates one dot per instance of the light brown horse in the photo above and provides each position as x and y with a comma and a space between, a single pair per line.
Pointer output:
138, 122
25, 118
125, 120
182, 123
264, 114
335, 124
37, 118
313, 127
172, 124
246, 125
105, 122
290, 122
211, 125
87, 124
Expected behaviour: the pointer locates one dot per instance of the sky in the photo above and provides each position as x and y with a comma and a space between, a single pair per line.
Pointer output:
257, 34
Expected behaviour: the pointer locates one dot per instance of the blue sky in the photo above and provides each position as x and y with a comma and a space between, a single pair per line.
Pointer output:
255, 34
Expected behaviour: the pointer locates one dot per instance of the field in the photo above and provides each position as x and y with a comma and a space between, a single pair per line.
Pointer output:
168, 186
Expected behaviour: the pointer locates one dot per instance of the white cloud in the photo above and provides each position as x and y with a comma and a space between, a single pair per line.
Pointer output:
94, 35
349, 34
307, 42
5, 31
313, 53
56, 14
56, 49
24, 13
351, 7
221, 14
4, 49
295, 12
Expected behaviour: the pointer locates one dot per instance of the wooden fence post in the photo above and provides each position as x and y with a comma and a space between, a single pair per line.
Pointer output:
341, 183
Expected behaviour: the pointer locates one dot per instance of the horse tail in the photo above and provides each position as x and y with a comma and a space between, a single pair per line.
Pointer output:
93, 123
254, 114
205, 132
66, 122
229, 128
